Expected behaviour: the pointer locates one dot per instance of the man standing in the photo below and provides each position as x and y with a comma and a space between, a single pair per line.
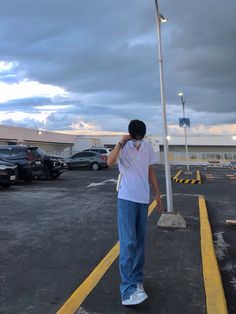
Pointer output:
135, 160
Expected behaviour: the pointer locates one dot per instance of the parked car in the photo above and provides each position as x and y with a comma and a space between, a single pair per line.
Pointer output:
29, 162
101, 150
233, 164
53, 165
89, 159
8, 173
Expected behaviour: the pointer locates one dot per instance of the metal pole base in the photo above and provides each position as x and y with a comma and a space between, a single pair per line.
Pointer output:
171, 220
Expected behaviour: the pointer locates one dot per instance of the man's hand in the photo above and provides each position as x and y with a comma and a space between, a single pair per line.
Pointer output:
125, 139
159, 203
112, 157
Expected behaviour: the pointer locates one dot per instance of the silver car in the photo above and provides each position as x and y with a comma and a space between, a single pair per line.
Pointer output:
92, 160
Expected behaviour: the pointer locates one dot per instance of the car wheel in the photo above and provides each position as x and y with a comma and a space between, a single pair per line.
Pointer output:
95, 166
5, 186
69, 167
45, 174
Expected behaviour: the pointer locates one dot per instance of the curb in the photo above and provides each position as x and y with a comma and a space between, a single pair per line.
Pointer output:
215, 296
198, 180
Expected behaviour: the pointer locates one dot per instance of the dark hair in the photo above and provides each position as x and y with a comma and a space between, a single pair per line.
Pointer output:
137, 129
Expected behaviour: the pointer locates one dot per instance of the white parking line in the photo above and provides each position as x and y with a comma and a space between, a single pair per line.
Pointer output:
101, 183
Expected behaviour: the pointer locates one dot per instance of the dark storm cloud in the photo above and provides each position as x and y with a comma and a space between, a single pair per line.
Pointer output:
25, 104
106, 52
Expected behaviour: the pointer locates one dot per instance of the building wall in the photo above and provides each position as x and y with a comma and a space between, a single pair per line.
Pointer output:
51, 148
2, 142
24, 134
199, 140
50, 142
82, 143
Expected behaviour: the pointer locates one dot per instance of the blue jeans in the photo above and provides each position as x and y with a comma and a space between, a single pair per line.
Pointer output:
132, 221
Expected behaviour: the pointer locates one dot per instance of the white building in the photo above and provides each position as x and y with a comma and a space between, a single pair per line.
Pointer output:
201, 147
50, 142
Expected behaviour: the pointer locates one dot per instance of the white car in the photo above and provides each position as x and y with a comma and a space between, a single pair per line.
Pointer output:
101, 150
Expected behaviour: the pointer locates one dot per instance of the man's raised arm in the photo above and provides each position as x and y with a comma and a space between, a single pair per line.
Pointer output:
113, 156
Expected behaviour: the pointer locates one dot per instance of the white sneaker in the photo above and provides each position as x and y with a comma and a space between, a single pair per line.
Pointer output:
140, 287
135, 298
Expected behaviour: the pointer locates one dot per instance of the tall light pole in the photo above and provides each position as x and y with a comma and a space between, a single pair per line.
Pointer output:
160, 19
185, 132
170, 219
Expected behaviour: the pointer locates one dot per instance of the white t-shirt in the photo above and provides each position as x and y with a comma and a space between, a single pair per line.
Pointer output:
134, 167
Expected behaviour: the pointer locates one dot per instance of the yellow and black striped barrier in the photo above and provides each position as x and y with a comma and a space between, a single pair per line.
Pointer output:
178, 179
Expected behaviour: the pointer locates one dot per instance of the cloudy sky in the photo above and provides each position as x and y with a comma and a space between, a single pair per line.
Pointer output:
91, 66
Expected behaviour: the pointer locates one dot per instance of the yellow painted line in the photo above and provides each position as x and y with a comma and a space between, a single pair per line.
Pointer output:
151, 207
76, 299
215, 297
177, 174
81, 293
199, 178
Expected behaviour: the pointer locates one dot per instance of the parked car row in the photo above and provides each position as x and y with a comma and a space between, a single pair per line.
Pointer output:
23, 162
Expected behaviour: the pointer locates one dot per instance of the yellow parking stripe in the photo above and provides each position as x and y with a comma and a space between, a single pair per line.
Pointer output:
177, 174
199, 178
80, 294
215, 298
151, 207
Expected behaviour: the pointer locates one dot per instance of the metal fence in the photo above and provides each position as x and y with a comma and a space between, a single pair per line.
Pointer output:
199, 157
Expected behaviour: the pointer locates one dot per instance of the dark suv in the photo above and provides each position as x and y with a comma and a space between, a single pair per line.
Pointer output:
8, 173
53, 165
29, 162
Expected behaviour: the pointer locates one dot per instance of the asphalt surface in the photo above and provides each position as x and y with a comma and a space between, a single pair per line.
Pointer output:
53, 234
173, 276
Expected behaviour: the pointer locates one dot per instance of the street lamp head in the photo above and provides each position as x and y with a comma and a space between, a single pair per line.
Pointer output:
162, 18
180, 94
234, 137
168, 138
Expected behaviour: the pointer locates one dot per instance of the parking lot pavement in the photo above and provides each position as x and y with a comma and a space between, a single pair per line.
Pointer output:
53, 234
219, 190
173, 273
221, 204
